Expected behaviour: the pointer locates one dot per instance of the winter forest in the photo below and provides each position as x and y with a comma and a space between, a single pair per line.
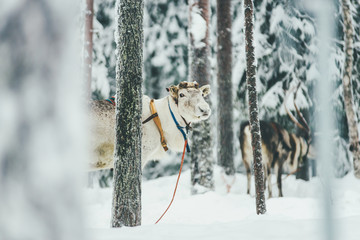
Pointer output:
174, 119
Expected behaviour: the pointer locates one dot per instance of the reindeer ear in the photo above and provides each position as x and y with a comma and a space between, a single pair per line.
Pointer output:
173, 90
205, 90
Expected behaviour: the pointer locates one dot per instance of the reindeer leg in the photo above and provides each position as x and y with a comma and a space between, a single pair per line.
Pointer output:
279, 172
248, 174
265, 176
269, 181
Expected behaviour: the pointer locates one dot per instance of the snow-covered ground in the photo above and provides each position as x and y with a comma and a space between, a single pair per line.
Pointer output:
218, 215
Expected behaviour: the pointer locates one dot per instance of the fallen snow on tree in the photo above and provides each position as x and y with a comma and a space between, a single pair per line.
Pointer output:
198, 27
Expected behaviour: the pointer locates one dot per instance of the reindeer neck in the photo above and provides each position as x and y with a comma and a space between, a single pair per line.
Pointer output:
174, 108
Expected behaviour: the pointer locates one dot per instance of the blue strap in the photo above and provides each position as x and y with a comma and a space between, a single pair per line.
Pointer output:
111, 100
181, 129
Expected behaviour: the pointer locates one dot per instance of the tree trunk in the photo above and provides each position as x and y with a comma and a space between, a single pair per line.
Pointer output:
88, 44
225, 105
347, 85
201, 151
253, 108
42, 140
126, 206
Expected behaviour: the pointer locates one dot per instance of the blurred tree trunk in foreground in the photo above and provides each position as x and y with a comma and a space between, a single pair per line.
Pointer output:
41, 122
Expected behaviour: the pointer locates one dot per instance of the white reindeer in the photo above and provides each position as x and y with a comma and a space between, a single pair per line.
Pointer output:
185, 104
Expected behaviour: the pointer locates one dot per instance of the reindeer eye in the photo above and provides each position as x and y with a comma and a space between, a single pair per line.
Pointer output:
182, 95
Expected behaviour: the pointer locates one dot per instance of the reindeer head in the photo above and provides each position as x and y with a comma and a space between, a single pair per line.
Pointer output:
190, 100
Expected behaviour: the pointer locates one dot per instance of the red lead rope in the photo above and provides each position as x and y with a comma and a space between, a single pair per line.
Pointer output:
177, 182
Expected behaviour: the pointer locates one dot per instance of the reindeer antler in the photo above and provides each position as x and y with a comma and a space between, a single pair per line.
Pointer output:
299, 113
292, 117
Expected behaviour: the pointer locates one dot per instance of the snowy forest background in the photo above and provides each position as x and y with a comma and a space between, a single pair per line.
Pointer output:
45, 191
286, 49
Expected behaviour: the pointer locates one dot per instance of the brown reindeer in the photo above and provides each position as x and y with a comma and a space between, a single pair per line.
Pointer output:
281, 150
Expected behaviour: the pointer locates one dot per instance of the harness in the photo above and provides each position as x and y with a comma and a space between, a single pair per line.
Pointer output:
181, 129
154, 116
186, 146
111, 100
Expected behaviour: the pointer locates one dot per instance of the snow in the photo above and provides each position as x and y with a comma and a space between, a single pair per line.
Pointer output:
215, 215
198, 27
277, 17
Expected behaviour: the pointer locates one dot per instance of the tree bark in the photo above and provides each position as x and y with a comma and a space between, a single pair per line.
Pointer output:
253, 108
88, 45
225, 98
199, 71
347, 85
126, 206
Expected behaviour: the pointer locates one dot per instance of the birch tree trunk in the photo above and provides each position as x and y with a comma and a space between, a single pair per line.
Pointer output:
126, 206
88, 45
253, 108
42, 141
347, 85
224, 73
201, 151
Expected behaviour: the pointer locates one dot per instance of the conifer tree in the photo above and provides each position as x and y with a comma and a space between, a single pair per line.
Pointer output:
253, 108
126, 206
166, 52
199, 50
104, 59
